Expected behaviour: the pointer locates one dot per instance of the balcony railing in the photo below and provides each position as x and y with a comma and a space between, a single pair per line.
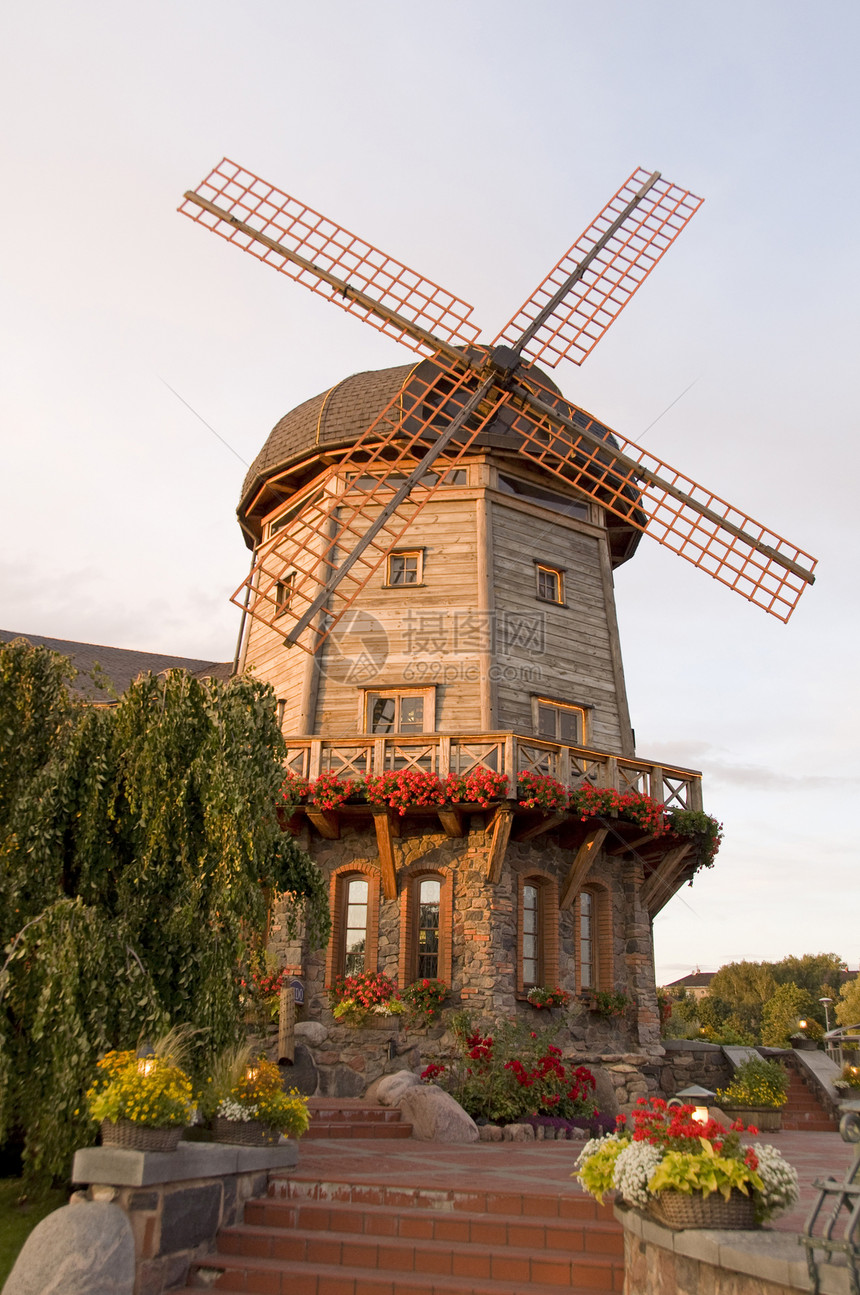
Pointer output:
508, 752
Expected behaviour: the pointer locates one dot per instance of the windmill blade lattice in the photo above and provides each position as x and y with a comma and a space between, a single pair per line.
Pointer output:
271, 225
612, 258
662, 502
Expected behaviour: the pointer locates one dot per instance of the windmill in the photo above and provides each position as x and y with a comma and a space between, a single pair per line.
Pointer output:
464, 394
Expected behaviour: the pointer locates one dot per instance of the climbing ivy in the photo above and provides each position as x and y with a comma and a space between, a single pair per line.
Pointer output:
139, 847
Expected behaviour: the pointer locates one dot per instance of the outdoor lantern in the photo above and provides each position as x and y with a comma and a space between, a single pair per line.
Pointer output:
146, 1059
803, 1025
251, 1073
697, 1097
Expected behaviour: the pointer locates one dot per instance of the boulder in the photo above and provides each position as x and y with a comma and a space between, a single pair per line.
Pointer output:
341, 1081
303, 1073
518, 1133
604, 1091
80, 1249
313, 1032
390, 1088
435, 1116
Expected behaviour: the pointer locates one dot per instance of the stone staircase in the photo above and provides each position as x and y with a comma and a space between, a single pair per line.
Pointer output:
314, 1237
803, 1110
352, 1118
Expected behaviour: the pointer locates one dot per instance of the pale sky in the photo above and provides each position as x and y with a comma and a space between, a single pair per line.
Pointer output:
473, 141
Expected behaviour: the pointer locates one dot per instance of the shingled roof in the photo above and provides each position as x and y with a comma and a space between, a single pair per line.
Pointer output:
121, 665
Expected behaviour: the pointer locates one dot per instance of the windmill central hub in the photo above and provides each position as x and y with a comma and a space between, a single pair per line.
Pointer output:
504, 359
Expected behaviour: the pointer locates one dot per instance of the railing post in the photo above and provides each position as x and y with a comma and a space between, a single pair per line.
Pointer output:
694, 794
610, 773
315, 761
443, 757
379, 745
655, 783
511, 762
563, 774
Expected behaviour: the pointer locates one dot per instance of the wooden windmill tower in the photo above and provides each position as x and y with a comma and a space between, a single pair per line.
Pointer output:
460, 515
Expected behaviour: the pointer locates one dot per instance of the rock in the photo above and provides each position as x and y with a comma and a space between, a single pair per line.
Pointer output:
302, 1074
312, 1031
78, 1250
604, 1091
485, 1132
390, 1088
341, 1081
435, 1116
518, 1133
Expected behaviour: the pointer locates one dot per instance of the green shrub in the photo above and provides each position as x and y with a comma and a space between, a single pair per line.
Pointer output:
756, 1082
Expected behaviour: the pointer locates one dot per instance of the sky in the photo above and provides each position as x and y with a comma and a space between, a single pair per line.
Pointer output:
144, 361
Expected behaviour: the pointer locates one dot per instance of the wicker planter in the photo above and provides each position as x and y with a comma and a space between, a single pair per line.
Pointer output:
681, 1210
243, 1133
136, 1137
767, 1119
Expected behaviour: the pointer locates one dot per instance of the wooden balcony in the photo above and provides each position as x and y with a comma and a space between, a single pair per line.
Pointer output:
508, 752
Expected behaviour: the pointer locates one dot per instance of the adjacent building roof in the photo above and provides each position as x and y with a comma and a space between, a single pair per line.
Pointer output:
695, 980
121, 665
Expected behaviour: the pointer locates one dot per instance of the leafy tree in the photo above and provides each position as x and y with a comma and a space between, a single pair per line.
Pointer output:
781, 1014
848, 1004
138, 845
746, 987
815, 972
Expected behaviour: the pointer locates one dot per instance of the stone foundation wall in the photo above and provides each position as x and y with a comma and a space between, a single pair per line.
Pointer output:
484, 942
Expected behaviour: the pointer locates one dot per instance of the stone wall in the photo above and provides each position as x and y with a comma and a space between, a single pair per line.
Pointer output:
484, 952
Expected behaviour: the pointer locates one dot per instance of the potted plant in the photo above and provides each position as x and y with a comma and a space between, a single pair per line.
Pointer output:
807, 1036
367, 998
424, 999
849, 1080
143, 1100
608, 1004
688, 1173
246, 1104
759, 1090
541, 997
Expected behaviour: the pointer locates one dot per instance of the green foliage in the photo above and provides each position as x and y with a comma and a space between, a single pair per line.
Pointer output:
704, 1171
756, 1082
744, 987
706, 831
848, 1004
138, 845
608, 1004
781, 1014
147, 1092
18, 1217
597, 1172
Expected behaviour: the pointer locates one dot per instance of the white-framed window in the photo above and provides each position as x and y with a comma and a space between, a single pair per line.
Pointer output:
550, 583
558, 721
404, 567
531, 935
400, 710
284, 592
586, 940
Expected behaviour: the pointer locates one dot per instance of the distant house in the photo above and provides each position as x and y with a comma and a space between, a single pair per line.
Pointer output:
697, 984
120, 666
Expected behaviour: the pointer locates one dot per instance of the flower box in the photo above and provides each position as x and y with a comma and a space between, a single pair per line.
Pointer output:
767, 1119
139, 1137
243, 1133
681, 1210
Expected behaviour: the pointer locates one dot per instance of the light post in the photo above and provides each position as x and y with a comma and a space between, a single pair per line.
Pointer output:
825, 1003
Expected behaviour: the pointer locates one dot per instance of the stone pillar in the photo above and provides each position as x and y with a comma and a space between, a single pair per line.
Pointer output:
639, 959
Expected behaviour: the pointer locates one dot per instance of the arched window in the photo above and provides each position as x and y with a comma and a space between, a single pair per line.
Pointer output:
593, 939
354, 899
426, 913
537, 933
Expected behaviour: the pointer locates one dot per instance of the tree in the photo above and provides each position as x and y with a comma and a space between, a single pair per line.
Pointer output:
848, 1004
746, 987
779, 1019
138, 844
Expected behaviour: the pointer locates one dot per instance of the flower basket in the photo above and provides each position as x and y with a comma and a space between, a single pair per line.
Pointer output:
681, 1210
767, 1119
243, 1133
137, 1137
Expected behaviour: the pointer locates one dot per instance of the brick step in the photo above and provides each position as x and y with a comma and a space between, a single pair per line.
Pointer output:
310, 1218
357, 1129
335, 1192
514, 1274
803, 1112
364, 1114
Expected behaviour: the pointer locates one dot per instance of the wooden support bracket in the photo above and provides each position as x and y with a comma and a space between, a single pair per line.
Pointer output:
538, 829
501, 828
385, 836
325, 822
663, 882
453, 821
582, 861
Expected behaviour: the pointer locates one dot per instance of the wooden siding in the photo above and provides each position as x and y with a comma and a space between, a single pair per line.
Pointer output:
575, 661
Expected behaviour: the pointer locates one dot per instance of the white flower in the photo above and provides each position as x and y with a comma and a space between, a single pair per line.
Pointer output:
230, 1110
633, 1169
594, 1144
779, 1179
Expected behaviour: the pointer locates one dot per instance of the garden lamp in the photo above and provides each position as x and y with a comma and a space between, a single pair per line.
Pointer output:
146, 1058
825, 1002
697, 1097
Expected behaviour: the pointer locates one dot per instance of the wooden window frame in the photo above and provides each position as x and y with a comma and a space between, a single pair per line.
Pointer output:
601, 939
548, 921
285, 591
408, 961
338, 883
550, 569
369, 694
582, 711
417, 553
